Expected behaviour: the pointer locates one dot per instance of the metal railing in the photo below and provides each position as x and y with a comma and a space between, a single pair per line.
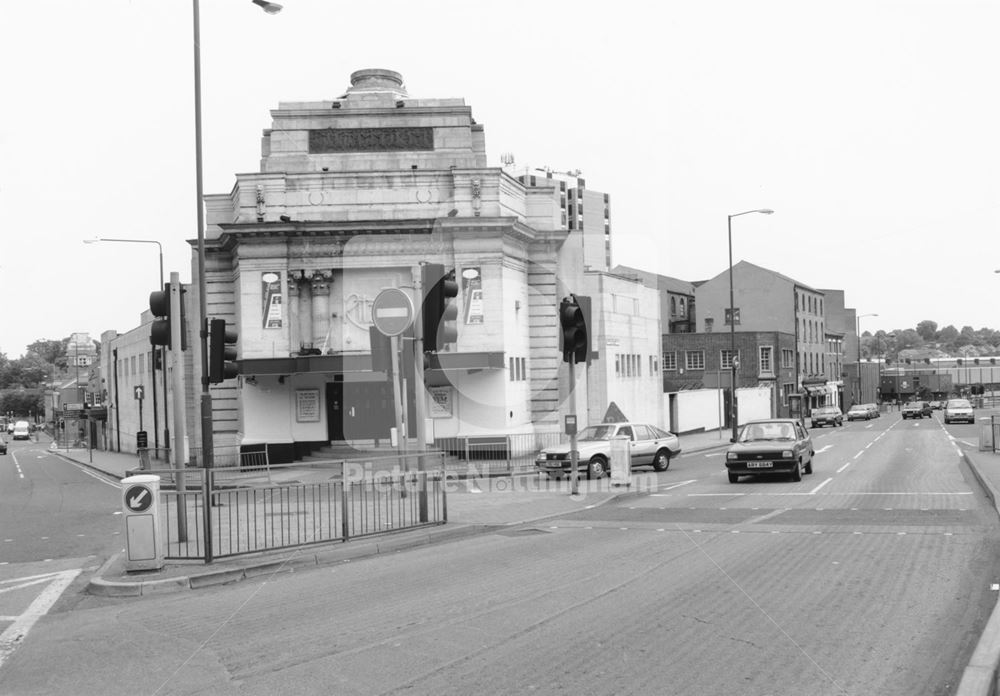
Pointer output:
293, 505
492, 454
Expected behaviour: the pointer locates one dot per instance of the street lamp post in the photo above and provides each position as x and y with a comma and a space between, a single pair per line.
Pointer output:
860, 396
733, 363
161, 350
206, 397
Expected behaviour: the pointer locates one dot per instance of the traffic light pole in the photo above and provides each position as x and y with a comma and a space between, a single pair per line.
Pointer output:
419, 396
179, 425
574, 455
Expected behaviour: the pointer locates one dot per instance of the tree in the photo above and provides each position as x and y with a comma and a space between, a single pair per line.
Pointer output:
908, 338
927, 329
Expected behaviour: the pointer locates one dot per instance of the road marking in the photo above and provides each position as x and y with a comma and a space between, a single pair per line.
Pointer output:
17, 465
671, 486
823, 449
843, 467
859, 454
816, 489
18, 630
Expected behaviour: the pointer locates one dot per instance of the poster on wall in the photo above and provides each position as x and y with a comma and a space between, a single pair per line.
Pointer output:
270, 283
472, 295
442, 402
307, 405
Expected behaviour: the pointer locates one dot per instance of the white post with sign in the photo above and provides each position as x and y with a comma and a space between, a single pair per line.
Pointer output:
141, 511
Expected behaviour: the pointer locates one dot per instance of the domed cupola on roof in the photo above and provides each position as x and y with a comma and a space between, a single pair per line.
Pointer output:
376, 81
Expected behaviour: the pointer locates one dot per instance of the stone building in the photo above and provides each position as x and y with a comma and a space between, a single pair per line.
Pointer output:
355, 195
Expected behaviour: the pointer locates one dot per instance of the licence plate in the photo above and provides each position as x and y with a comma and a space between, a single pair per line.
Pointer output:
759, 465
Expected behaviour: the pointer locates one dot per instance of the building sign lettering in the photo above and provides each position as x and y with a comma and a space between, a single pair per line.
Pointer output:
330, 140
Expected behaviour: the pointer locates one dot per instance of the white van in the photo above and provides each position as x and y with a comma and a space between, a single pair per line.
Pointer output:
22, 431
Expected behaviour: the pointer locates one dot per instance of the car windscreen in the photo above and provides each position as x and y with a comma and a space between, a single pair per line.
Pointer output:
959, 403
596, 432
757, 432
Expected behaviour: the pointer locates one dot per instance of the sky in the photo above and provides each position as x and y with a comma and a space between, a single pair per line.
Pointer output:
870, 127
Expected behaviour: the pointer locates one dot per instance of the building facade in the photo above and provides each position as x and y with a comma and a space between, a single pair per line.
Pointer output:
356, 195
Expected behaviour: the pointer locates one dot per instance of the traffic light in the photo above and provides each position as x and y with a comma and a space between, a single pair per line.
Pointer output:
574, 322
159, 307
160, 333
439, 310
222, 352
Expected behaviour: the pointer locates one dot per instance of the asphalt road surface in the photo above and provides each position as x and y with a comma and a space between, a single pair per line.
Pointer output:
871, 576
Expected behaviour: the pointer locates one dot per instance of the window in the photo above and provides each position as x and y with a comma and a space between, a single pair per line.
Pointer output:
618, 365
670, 361
709, 324
673, 306
732, 312
131, 362
652, 365
694, 359
766, 359
511, 370
786, 389
787, 357
683, 308
726, 359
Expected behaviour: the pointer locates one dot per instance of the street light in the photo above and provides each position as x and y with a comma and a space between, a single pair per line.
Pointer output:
858, 323
733, 363
206, 396
162, 349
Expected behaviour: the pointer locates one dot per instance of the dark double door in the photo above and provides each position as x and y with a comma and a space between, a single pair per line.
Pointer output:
359, 410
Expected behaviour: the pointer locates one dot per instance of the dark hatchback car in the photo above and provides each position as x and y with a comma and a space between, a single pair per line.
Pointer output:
917, 409
826, 415
778, 446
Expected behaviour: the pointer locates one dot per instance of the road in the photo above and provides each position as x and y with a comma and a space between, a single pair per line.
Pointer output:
58, 522
872, 576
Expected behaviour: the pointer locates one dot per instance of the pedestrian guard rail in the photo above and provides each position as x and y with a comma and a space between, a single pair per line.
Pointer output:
496, 454
256, 506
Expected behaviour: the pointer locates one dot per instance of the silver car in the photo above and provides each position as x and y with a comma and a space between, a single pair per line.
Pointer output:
651, 446
959, 410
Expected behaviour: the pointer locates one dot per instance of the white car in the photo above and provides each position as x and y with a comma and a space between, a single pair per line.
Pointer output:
651, 446
959, 410
22, 431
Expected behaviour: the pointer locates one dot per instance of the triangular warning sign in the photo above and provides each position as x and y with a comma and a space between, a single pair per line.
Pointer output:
614, 414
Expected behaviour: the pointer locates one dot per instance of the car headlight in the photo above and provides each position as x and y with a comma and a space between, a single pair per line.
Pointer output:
730, 455
787, 454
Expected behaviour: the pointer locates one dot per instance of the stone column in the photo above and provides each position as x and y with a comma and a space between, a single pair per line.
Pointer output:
294, 340
305, 314
320, 282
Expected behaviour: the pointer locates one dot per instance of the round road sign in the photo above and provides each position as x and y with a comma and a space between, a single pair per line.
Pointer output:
138, 498
392, 312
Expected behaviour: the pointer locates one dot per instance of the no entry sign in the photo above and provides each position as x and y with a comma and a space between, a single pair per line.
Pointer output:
392, 312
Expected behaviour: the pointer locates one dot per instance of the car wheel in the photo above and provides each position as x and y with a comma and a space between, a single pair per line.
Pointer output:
809, 466
598, 467
797, 472
733, 478
661, 462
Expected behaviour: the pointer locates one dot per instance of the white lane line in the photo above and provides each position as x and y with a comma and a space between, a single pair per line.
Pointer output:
859, 454
17, 465
823, 449
671, 486
708, 495
816, 489
16, 632
843, 467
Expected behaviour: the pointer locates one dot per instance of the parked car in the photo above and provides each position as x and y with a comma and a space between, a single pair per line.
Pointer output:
874, 410
770, 447
3, 445
937, 405
651, 446
859, 412
21, 431
959, 410
916, 409
826, 415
